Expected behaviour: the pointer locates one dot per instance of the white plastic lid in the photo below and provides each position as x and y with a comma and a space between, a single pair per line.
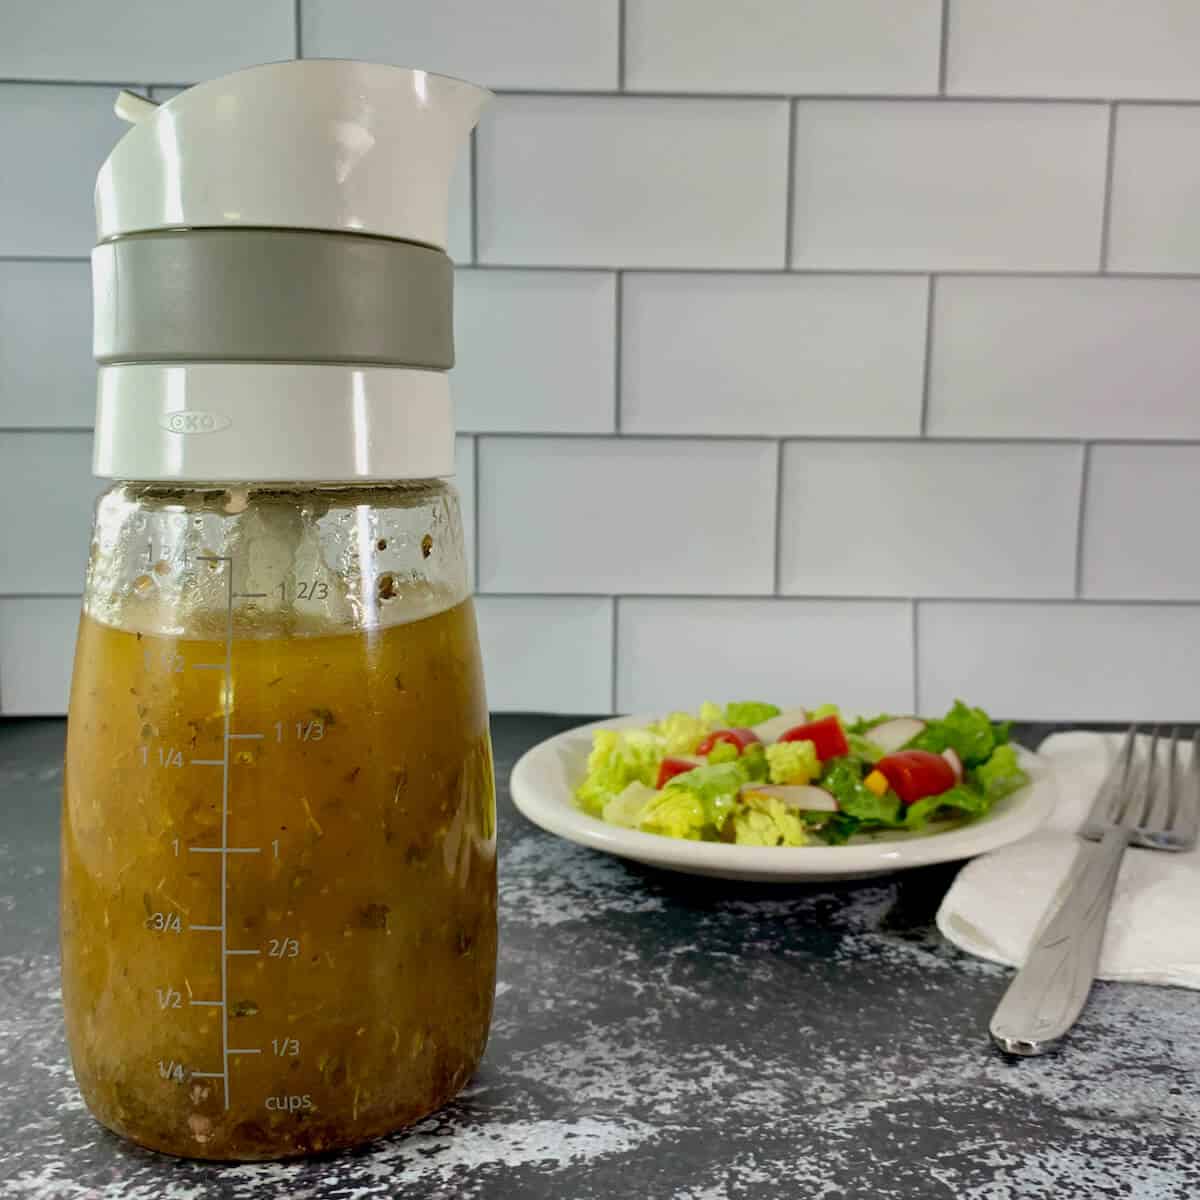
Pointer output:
312, 144
318, 145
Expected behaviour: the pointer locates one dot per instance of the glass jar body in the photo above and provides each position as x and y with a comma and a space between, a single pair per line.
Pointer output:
279, 890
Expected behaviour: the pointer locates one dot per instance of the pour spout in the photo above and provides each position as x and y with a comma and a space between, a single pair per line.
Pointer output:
314, 144
131, 107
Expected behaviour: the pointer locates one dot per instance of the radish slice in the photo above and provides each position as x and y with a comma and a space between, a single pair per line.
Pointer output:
891, 735
951, 756
771, 729
794, 795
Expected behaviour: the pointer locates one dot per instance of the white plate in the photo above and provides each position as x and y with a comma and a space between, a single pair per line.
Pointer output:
544, 780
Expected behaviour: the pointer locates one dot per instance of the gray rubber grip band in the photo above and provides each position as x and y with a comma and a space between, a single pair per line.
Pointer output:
272, 295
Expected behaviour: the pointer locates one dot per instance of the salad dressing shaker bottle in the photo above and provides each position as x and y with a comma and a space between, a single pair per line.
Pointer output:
278, 844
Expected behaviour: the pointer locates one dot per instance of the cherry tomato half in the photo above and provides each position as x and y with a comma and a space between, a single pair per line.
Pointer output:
739, 737
915, 774
669, 768
826, 736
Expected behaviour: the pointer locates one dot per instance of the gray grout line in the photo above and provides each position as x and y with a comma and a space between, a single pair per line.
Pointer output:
927, 368
943, 47
958, 439
753, 272
1081, 518
778, 576
789, 207
916, 658
298, 35
816, 439
809, 272
616, 604
48, 258
764, 598
1106, 208
621, 16
473, 151
611, 93
618, 350
477, 554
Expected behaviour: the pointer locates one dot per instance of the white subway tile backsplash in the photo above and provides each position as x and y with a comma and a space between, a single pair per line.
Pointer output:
1155, 220
1074, 48
543, 44
929, 519
464, 481
934, 184
142, 39
948, 279
1140, 528
1061, 662
608, 515
37, 649
622, 181
772, 354
46, 493
547, 653
47, 376
53, 138
1100, 357
860, 46
535, 351
672, 654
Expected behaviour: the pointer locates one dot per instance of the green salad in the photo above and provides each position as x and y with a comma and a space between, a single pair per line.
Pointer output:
752, 774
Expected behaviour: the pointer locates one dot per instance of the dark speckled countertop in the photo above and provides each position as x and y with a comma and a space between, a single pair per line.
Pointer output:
662, 1036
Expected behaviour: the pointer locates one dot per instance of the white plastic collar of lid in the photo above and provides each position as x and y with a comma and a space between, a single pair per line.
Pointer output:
313, 144
272, 422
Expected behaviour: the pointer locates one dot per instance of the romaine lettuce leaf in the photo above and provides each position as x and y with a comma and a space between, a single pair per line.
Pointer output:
749, 712
766, 821
618, 758
626, 808
793, 762
824, 710
715, 787
843, 777
866, 724
961, 800
754, 762
1001, 775
723, 752
675, 812
682, 733
968, 731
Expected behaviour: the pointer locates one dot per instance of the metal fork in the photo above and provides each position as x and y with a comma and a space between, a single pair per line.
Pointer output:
1140, 803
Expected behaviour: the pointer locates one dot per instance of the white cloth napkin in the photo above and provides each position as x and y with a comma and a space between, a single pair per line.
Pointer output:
999, 901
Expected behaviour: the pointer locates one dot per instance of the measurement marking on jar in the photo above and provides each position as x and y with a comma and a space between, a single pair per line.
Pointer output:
243, 1051
206, 762
230, 953
207, 928
207, 1003
250, 595
208, 1074
224, 849
246, 737
208, 666
227, 715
